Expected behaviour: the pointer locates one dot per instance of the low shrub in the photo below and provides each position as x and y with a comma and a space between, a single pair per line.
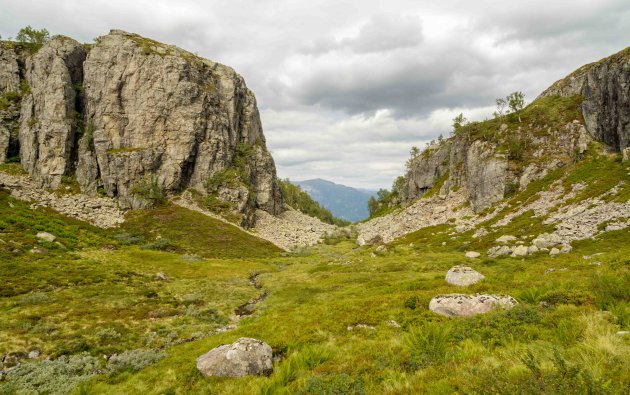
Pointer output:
411, 302
58, 376
158, 245
133, 360
334, 384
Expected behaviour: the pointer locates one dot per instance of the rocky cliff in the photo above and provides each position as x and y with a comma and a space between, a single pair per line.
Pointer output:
605, 89
484, 162
136, 120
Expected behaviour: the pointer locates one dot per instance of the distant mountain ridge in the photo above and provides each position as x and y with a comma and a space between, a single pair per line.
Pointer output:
343, 201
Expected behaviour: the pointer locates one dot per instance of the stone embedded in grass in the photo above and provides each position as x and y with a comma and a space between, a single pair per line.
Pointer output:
245, 357
161, 276
463, 276
459, 305
546, 240
498, 251
393, 323
472, 254
505, 239
520, 251
47, 237
361, 326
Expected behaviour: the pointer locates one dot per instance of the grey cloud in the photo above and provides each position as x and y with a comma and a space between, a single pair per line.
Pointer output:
381, 33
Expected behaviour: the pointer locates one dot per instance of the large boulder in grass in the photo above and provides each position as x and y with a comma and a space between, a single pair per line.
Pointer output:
245, 357
463, 276
459, 305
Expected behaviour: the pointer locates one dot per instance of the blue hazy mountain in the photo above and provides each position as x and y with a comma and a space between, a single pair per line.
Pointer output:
343, 201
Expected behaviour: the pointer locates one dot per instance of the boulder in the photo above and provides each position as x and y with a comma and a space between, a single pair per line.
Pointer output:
520, 250
532, 249
472, 254
498, 251
546, 240
505, 239
245, 357
463, 276
46, 237
459, 305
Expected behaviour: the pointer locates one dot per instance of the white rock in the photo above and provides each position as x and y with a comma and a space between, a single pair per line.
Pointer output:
361, 326
547, 240
554, 251
244, 357
506, 239
459, 305
532, 249
46, 236
520, 250
499, 251
472, 254
393, 324
463, 276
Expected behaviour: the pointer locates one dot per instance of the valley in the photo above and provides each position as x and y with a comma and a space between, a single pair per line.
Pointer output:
134, 241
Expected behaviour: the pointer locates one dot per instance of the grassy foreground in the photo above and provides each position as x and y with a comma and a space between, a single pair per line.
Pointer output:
96, 294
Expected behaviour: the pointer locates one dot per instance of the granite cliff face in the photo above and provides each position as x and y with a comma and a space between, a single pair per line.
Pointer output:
11, 59
134, 118
605, 88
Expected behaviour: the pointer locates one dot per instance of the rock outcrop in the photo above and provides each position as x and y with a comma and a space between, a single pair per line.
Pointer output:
605, 89
244, 357
475, 167
49, 115
459, 305
136, 119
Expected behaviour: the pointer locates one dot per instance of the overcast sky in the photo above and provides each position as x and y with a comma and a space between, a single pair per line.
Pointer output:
345, 88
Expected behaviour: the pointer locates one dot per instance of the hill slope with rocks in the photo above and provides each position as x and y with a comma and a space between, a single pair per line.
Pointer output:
561, 161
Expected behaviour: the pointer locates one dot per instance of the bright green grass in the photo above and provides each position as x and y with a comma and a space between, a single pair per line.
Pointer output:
193, 233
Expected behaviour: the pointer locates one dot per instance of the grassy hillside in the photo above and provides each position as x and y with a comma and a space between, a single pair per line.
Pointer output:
96, 291
98, 295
